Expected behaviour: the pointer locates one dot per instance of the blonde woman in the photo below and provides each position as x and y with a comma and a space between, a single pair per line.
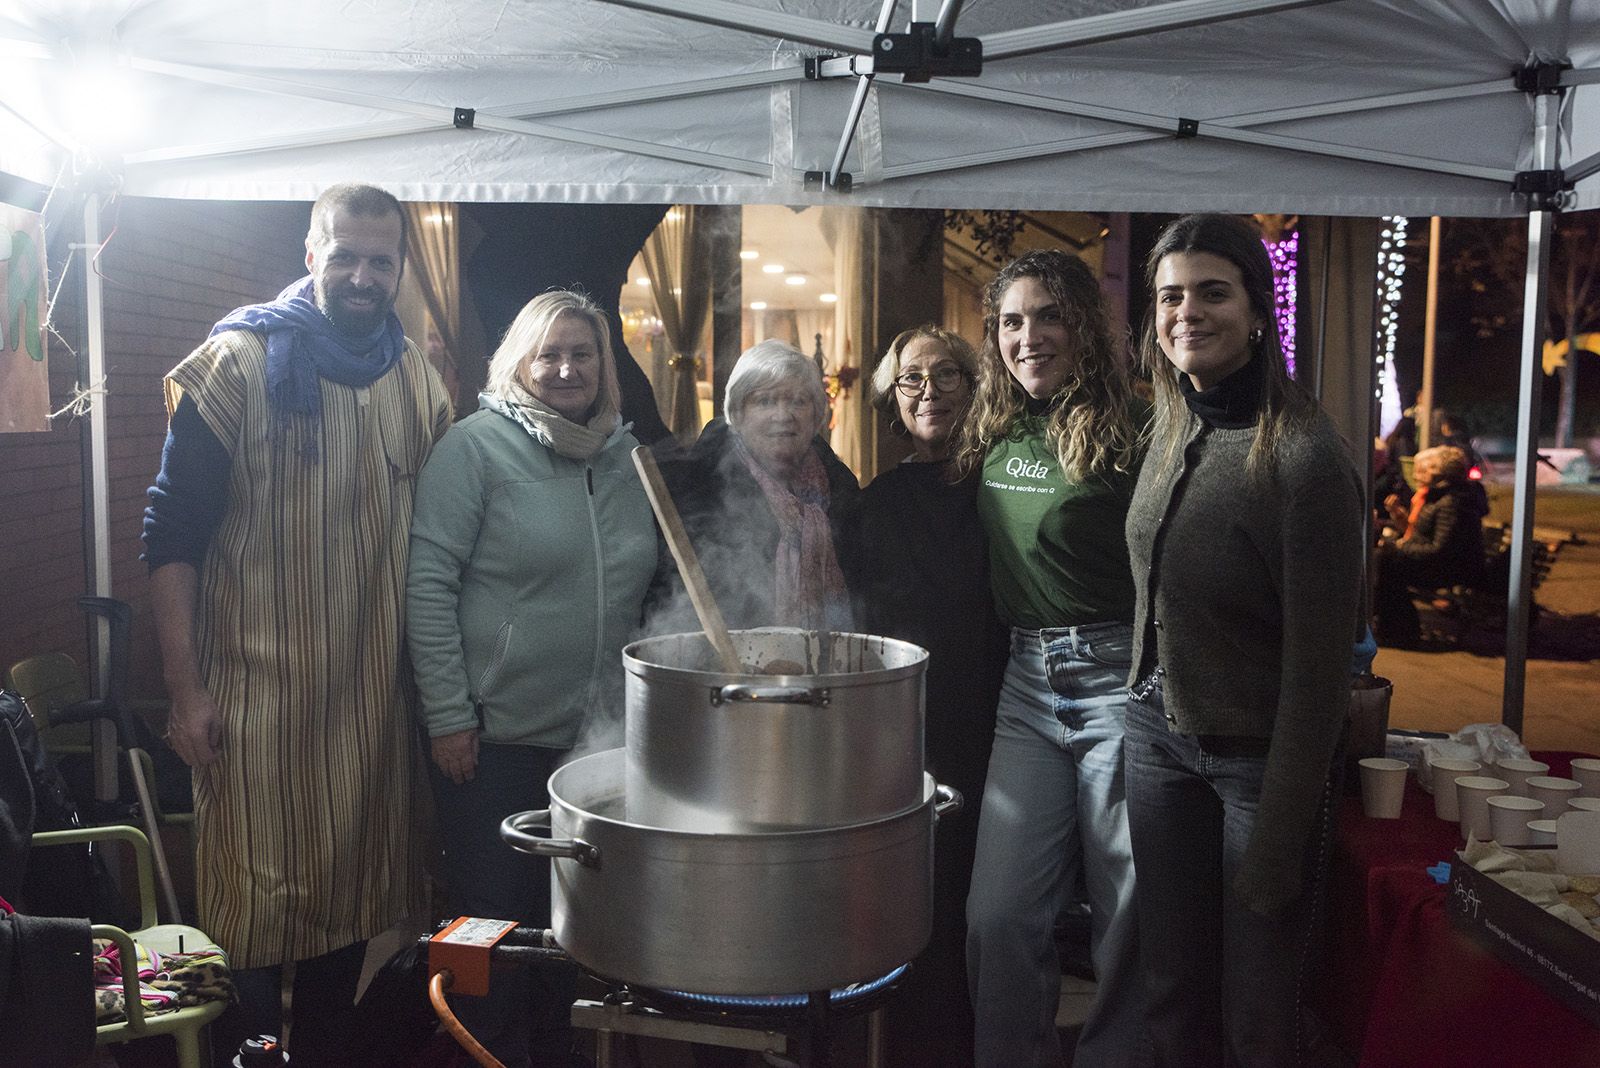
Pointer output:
1055, 431
1245, 532
532, 546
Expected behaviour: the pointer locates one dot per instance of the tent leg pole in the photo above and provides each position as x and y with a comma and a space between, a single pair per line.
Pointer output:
1519, 600
103, 736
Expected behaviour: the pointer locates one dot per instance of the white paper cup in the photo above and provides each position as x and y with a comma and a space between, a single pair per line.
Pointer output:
1583, 804
1541, 832
1509, 816
1578, 843
1553, 791
1472, 802
1383, 786
1445, 773
1586, 770
1517, 772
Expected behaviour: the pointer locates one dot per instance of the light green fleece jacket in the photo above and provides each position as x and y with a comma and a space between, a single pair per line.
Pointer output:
527, 573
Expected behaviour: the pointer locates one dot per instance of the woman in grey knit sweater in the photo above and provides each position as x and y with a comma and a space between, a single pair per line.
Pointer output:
1245, 538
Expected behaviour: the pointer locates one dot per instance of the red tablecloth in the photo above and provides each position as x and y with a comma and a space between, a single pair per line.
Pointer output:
1405, 989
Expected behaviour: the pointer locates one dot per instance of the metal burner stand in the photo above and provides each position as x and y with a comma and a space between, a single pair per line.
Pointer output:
763, 1024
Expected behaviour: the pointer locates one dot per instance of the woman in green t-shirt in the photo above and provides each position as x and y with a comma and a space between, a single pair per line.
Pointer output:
1057, 433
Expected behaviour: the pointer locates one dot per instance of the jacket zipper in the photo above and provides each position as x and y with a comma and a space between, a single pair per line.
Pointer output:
599, 590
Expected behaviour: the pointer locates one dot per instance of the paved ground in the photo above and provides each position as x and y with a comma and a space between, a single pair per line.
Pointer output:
1449, 685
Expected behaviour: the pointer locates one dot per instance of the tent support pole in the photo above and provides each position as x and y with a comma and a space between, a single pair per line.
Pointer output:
1116, 25
858, 104
1541, 229
103, 733
1430, 336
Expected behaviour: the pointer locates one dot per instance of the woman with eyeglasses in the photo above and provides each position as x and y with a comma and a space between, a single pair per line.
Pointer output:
1055, 435
922, 577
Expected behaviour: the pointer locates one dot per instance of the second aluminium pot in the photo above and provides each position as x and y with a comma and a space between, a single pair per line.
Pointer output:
783, 912
834, 737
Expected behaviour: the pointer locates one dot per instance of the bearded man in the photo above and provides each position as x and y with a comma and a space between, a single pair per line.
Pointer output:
276, 538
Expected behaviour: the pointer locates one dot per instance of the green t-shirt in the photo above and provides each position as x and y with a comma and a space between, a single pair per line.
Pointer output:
1058, 556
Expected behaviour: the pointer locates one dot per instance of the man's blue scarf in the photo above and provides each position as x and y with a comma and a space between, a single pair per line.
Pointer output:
304, 346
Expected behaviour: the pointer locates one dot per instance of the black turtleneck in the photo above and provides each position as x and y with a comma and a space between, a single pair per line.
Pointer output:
1231, 404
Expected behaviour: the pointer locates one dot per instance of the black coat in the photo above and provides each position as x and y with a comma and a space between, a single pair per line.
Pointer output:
1445, 547
735, 534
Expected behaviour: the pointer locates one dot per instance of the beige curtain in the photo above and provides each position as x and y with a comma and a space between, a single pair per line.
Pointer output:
433, 259
677, 261
855, 280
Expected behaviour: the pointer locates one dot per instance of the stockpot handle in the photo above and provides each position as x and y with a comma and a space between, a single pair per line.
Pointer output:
515, 827
947, 800
775, 695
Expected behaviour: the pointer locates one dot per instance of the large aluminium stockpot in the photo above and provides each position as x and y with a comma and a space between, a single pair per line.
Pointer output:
777, 912
823, 730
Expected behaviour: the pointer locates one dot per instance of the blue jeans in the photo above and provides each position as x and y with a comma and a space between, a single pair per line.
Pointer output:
1224, 982
1053, 807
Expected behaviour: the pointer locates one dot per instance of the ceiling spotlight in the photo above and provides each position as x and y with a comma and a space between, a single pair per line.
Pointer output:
749, 254
641, 281
758, 305
772, 268
828, 298
795, 280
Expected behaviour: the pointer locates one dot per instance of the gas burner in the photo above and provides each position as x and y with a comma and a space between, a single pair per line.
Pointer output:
857, 997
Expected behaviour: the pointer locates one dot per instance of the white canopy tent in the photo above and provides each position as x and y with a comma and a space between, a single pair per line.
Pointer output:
1349, 107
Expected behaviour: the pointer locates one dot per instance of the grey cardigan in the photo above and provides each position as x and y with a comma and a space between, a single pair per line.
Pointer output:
1248, 597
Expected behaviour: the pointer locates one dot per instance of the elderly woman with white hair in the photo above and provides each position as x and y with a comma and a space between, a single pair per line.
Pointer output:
769, 507
532, 547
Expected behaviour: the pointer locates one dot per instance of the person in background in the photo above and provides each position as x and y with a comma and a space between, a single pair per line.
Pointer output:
770, 509
1245, 532
922, 576
1055, 435
276, 539
1389, 476
1440, 542
532, 547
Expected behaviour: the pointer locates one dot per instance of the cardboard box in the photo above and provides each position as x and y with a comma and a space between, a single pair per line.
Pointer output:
1561, 959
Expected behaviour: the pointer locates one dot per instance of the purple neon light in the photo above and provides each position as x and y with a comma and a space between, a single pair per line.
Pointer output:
1285, 256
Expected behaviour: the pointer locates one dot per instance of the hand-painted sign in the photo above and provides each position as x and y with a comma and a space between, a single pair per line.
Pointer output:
24, 376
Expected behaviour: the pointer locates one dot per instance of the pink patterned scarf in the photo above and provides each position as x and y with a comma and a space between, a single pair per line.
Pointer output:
809, 590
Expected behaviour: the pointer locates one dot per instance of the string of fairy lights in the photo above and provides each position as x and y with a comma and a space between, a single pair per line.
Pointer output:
1285, 255
1391, 275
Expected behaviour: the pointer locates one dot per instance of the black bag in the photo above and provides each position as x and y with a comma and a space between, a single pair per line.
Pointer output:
394, 1022
58, 880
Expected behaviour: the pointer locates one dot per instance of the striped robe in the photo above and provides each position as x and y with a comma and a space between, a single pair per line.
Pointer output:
309, 834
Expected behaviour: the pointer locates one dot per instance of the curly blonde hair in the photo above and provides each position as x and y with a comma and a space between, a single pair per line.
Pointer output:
1095, 421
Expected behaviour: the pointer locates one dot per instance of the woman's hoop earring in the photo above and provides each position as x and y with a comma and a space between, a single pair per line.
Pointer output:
1257, 335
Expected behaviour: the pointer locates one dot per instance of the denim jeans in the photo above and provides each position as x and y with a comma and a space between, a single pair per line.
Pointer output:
1053, 807
526, 1016
1224, 982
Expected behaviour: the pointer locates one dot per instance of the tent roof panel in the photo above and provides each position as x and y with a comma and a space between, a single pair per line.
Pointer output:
363, 68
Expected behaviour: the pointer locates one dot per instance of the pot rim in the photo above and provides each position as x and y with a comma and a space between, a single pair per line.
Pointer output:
636, 664
929, 797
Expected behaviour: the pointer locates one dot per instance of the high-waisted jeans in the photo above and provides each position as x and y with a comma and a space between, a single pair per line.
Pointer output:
1224, 981
1052, 807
